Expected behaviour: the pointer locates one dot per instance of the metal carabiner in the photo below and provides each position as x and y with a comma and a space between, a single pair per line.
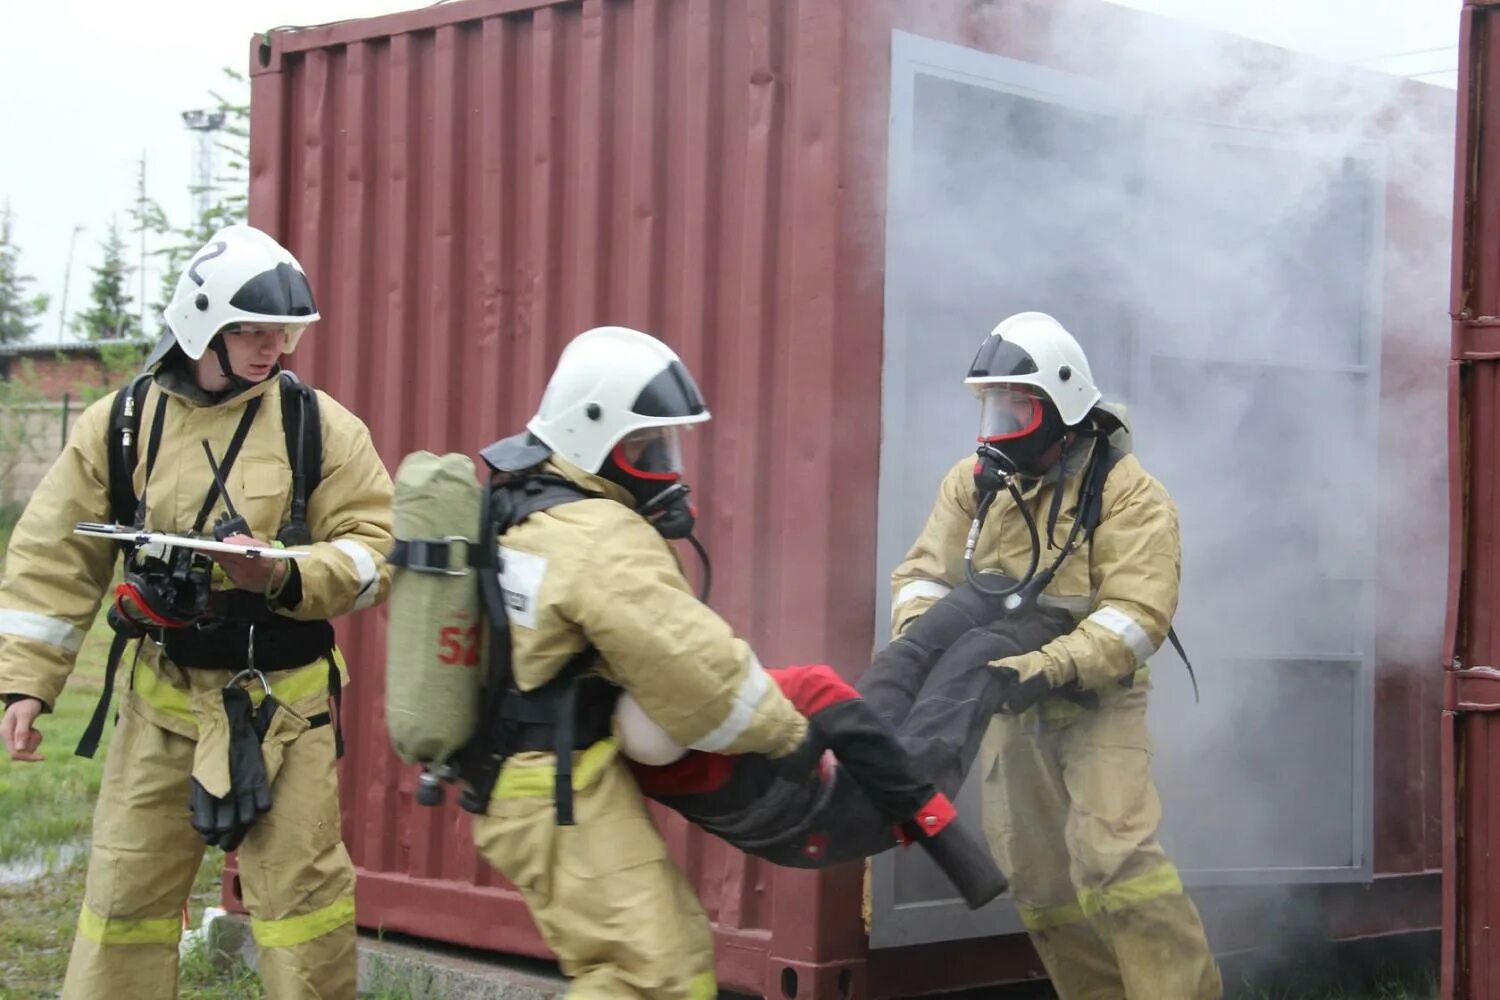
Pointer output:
252, 674
250, 670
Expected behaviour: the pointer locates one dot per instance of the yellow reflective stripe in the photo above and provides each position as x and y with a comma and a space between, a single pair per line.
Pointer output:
338, 661
299, 684
288, 932
1160, 881
100, 930
154, 690
289, 686
532, 781
1056, 710
703, 987
1045, 918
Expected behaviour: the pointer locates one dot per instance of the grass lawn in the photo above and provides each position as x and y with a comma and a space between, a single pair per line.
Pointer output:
45, 813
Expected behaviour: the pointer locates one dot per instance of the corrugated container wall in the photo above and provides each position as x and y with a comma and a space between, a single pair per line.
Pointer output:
470, 184
1471, 739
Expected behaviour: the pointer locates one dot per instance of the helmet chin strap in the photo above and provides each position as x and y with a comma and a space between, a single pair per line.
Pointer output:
221, 351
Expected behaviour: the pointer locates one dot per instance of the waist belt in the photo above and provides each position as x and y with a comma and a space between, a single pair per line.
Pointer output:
241, 606
544, 724
280, 644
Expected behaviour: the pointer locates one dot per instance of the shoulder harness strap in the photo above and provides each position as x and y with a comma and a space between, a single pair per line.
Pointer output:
539, 492
555, 704
303, 428
123, 447
300, 421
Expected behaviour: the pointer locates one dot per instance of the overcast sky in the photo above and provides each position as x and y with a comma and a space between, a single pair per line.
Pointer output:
89, 84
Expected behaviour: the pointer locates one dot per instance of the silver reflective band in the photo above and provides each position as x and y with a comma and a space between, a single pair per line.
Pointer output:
364, 565
30, 625
921, 588
1127, 629
740, 713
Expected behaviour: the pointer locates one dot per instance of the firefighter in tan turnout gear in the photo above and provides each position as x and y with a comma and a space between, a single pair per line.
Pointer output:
598, 603
1070, 808
226, 731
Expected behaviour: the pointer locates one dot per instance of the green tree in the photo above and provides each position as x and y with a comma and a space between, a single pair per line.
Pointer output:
19, 310
110, 317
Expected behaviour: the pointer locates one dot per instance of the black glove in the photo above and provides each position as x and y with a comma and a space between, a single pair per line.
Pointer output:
1016, 695
223, 822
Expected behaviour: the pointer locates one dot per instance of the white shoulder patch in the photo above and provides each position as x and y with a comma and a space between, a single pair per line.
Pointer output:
521, 579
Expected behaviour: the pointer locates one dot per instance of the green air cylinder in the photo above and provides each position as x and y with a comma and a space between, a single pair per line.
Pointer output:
434, 643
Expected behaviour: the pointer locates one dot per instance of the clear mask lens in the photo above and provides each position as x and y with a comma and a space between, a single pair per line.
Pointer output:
1008, 412
654, 452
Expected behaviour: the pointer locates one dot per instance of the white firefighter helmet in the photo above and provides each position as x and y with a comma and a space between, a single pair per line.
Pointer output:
609, 383
241, 275
1033, 349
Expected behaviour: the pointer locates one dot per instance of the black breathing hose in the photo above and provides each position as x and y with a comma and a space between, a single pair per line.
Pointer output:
1025, 591
985, 501
708, 569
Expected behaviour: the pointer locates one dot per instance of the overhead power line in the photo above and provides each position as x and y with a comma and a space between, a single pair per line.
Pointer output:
1411, 52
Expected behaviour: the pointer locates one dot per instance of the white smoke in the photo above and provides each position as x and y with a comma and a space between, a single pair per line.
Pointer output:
1252, 247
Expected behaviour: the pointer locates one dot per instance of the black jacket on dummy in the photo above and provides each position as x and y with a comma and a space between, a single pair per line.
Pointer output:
903, 750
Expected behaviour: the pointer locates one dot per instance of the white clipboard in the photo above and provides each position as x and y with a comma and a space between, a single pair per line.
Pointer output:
135, 536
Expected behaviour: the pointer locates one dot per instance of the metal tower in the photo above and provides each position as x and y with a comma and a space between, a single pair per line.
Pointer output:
203, 124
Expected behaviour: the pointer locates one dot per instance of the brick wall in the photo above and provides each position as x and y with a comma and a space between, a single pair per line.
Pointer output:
62, 374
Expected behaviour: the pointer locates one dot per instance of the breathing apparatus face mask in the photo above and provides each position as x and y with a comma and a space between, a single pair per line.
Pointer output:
163, 589
1018, 430
648, 463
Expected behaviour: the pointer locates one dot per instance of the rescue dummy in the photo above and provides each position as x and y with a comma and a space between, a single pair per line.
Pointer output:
904, 746
1070, 809
227, 722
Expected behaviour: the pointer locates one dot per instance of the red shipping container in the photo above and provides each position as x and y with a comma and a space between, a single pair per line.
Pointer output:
471, 184
1471, 779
